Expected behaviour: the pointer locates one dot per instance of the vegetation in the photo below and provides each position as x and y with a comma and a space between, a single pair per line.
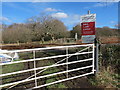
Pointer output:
12, 68
106, 78
109, 61
46, 28
76, 29
110, 56
42, 28
53, 78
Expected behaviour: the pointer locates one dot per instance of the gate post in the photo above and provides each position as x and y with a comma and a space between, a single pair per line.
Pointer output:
96, 55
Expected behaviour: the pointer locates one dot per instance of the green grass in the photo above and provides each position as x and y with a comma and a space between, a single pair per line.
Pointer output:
53, 78
12, 67
106, 78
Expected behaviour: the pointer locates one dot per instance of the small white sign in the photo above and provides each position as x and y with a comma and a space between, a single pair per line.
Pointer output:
88, 18
88, 38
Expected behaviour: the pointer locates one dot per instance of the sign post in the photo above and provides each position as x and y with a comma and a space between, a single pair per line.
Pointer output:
88, 33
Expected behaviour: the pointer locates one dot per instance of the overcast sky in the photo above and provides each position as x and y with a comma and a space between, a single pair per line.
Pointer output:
68, 12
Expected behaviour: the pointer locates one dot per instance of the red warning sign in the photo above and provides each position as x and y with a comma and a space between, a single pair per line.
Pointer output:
88, 28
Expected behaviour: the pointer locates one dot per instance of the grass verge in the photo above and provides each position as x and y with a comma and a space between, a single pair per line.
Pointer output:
106, 78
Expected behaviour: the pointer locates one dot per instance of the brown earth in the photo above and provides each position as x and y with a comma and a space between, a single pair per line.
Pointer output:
107, 40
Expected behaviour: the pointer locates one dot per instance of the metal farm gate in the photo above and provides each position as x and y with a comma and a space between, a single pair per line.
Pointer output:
63, 60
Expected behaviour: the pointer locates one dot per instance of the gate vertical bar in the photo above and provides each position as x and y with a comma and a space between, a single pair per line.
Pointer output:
35, 67
67, 61
93, 55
